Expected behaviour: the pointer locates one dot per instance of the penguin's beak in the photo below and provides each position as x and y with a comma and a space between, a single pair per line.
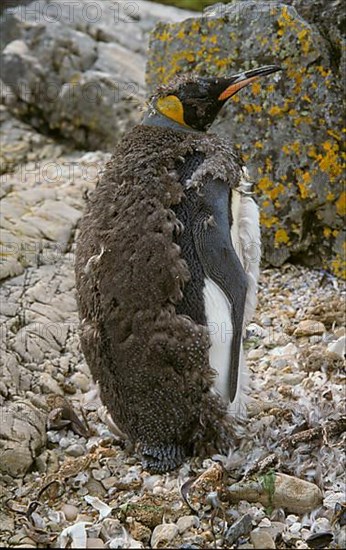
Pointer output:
239, 81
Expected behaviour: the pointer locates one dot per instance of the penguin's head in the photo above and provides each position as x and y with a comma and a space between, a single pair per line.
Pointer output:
194, 102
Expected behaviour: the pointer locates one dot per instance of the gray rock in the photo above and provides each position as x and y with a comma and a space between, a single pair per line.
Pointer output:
292, 155
238, 529
49, 385
75, 450
279, 490
19, 142
187, 522
74, 70
22, 436
262, 539
163, 534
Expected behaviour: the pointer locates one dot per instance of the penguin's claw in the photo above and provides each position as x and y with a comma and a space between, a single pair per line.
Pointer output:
162, 459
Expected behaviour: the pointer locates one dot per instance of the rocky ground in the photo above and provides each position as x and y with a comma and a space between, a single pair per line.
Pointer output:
68, 477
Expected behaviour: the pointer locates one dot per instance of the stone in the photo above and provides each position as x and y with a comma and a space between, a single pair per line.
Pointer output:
20, 142
338, 347
239, 528
255, 354
49, 385
309, 328
87, 75
75, 450
70, 511
22, 436
276, 122
81, 381
6, 522
94, 542
163, 535
288, 492
261, 539
290, 350
187, 522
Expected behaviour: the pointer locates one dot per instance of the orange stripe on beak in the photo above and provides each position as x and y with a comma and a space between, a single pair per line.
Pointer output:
234, 88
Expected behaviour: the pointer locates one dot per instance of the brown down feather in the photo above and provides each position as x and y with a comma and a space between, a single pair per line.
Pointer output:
152, 364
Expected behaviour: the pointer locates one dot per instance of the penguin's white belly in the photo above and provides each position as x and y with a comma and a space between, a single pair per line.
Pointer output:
218, 312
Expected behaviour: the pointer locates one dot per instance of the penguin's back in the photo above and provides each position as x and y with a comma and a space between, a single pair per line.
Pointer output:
150, 358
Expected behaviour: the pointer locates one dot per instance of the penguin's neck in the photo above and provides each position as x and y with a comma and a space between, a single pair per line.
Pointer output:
154, 118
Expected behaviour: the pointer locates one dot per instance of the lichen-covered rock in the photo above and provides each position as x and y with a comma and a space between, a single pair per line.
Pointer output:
288, 127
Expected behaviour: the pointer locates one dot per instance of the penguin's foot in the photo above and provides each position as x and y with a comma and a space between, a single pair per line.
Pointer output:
162, 458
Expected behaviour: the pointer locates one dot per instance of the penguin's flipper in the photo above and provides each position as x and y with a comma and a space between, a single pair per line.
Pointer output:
217, 254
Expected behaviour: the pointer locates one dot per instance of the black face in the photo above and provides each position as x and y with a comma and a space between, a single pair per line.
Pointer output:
200, 101
195, 102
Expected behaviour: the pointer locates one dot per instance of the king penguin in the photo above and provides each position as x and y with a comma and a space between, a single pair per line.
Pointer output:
167, 262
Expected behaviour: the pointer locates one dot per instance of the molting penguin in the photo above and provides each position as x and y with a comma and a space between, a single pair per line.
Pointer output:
166, 268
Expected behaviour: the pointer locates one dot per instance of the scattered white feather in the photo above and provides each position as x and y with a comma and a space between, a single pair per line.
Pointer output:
100, 506
77, 533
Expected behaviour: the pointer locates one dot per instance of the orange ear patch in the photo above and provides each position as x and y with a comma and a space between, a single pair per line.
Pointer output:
171, 107
234, 88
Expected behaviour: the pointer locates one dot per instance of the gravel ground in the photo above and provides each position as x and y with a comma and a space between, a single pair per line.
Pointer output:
68, 477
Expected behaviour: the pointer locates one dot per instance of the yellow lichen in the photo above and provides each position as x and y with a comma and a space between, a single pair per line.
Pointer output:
268, 221
275, 110
341, 204
256, 88
339, 267
281, 236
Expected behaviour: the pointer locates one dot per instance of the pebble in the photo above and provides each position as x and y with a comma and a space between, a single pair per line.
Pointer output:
95, 488
292, 493
81, 381
109, 482
163, 533
291, 518
265, 522
332, 498
309, 328
266, 321
64, 442
49, 385
95, 543
292, 379
321, 524
75, 450
255, 354
187, 522
99, 475
261, 539
288, 350
70, 511
238, 529
295, 527
341, 538
338, 346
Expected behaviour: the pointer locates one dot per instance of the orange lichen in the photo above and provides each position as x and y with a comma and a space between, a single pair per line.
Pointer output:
275, 110
338, 266
281, 237
256, 88
341, 204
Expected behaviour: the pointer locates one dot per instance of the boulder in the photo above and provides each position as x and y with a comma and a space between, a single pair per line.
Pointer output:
76, 71
288, 126
22, 436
